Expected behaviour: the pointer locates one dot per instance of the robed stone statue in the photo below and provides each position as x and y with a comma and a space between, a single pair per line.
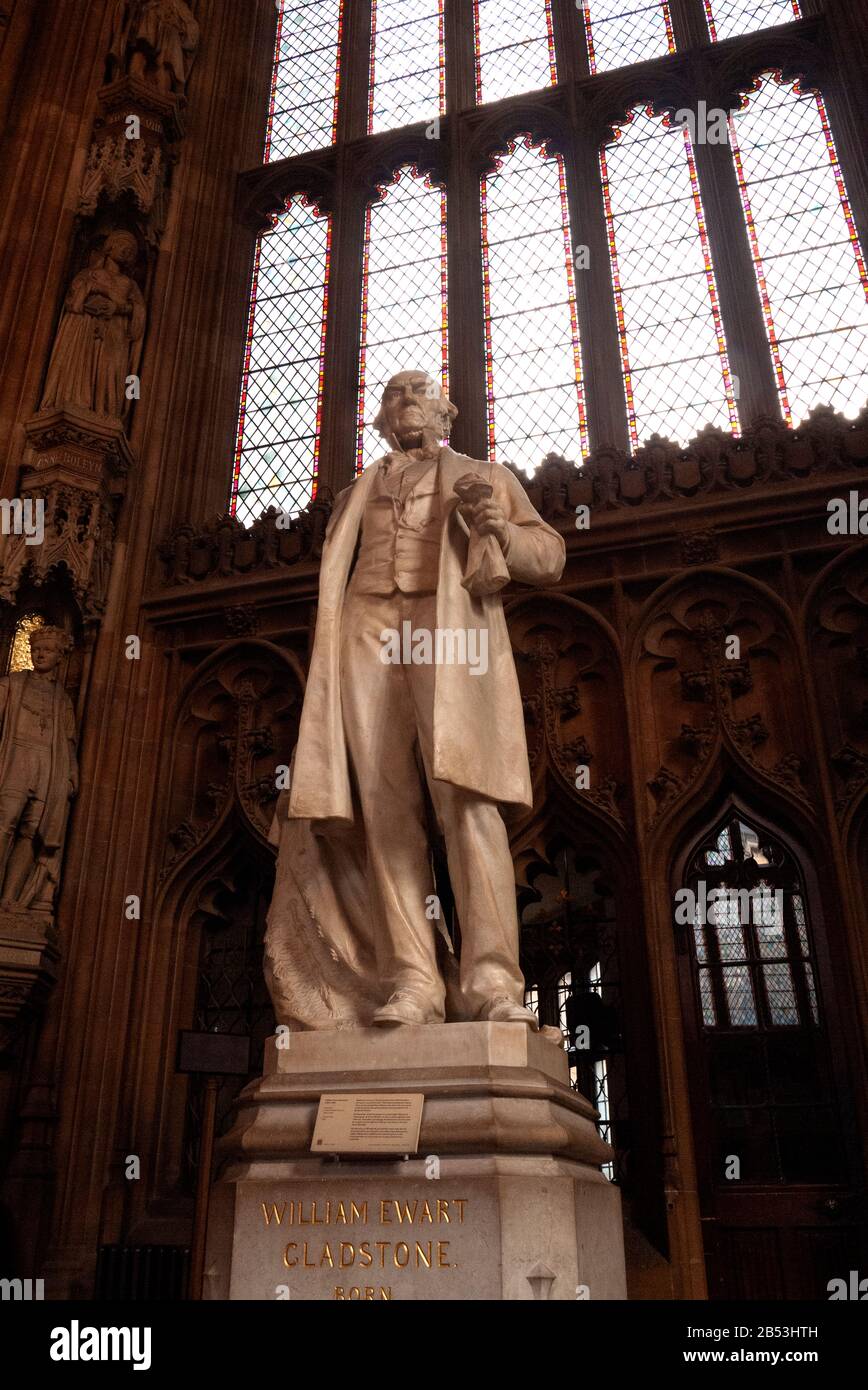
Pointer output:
155, 40
412, 709
38, 774
100, 332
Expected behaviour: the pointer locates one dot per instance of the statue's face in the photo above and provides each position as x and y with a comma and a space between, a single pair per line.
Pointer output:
122, 248
413, 405
45, 654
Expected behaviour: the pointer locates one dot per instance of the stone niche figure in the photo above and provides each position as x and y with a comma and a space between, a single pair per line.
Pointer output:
156, 41
100, 332
38, 775
412, 694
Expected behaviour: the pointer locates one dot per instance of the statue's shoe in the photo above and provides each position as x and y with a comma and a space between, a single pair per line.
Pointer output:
401, 1008
502, 1009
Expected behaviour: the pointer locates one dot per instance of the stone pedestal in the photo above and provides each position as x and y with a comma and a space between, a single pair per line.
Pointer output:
29, 954
503, 1200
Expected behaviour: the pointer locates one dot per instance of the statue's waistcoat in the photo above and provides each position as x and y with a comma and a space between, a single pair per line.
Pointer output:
401, 533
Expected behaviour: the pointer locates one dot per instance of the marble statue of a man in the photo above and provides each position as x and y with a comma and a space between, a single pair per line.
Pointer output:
38, 774
412, 686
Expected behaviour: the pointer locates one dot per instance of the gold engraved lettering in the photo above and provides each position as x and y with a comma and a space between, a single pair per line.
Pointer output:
275, 1215
442, 1261
402, 1264
290, 1264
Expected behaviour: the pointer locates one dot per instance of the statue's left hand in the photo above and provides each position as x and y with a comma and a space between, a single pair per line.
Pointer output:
488, 518
479, 509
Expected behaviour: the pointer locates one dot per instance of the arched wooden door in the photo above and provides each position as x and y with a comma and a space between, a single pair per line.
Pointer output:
773, 1137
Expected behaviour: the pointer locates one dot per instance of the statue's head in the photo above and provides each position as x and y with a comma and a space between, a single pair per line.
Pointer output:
414, 411
122, 247
48, 646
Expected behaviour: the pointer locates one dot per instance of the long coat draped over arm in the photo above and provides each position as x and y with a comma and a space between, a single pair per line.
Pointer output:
479, 739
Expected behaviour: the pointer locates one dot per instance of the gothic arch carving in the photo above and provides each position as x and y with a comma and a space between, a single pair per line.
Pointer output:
542, 117
799, 54
569, 670
376, 165
703, 699
263, 193
836, 634
236, 721
608, 104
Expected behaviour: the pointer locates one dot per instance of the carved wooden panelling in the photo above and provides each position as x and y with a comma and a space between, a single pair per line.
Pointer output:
572, 690
717, 671
238, 722
837, 634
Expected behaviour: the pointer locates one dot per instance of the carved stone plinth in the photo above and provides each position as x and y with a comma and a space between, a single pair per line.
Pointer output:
29, 954
504, 1199
132, 159
77, 465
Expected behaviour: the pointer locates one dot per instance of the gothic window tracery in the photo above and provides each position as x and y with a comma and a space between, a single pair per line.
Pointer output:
404, 293
767, 1068
654, 288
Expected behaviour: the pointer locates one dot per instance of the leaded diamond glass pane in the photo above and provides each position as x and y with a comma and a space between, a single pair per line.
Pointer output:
801, 925
727, 18
812, 992
739, 996
706, 994
715, 858
673, 354
278, 425
730, 937
782, 1000
535, 390
404, 296
808, 262
407, 63
514, 47
619, 32
304, 91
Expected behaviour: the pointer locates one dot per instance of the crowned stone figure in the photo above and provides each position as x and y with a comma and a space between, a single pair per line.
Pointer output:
38, 774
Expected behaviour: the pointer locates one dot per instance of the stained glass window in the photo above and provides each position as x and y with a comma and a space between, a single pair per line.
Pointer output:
278, 425
533, 357
619, 32
765, 1055
673, 354
750, 934
404, 325
304, 90
515, 49
726, 18
809, 265
408, 71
